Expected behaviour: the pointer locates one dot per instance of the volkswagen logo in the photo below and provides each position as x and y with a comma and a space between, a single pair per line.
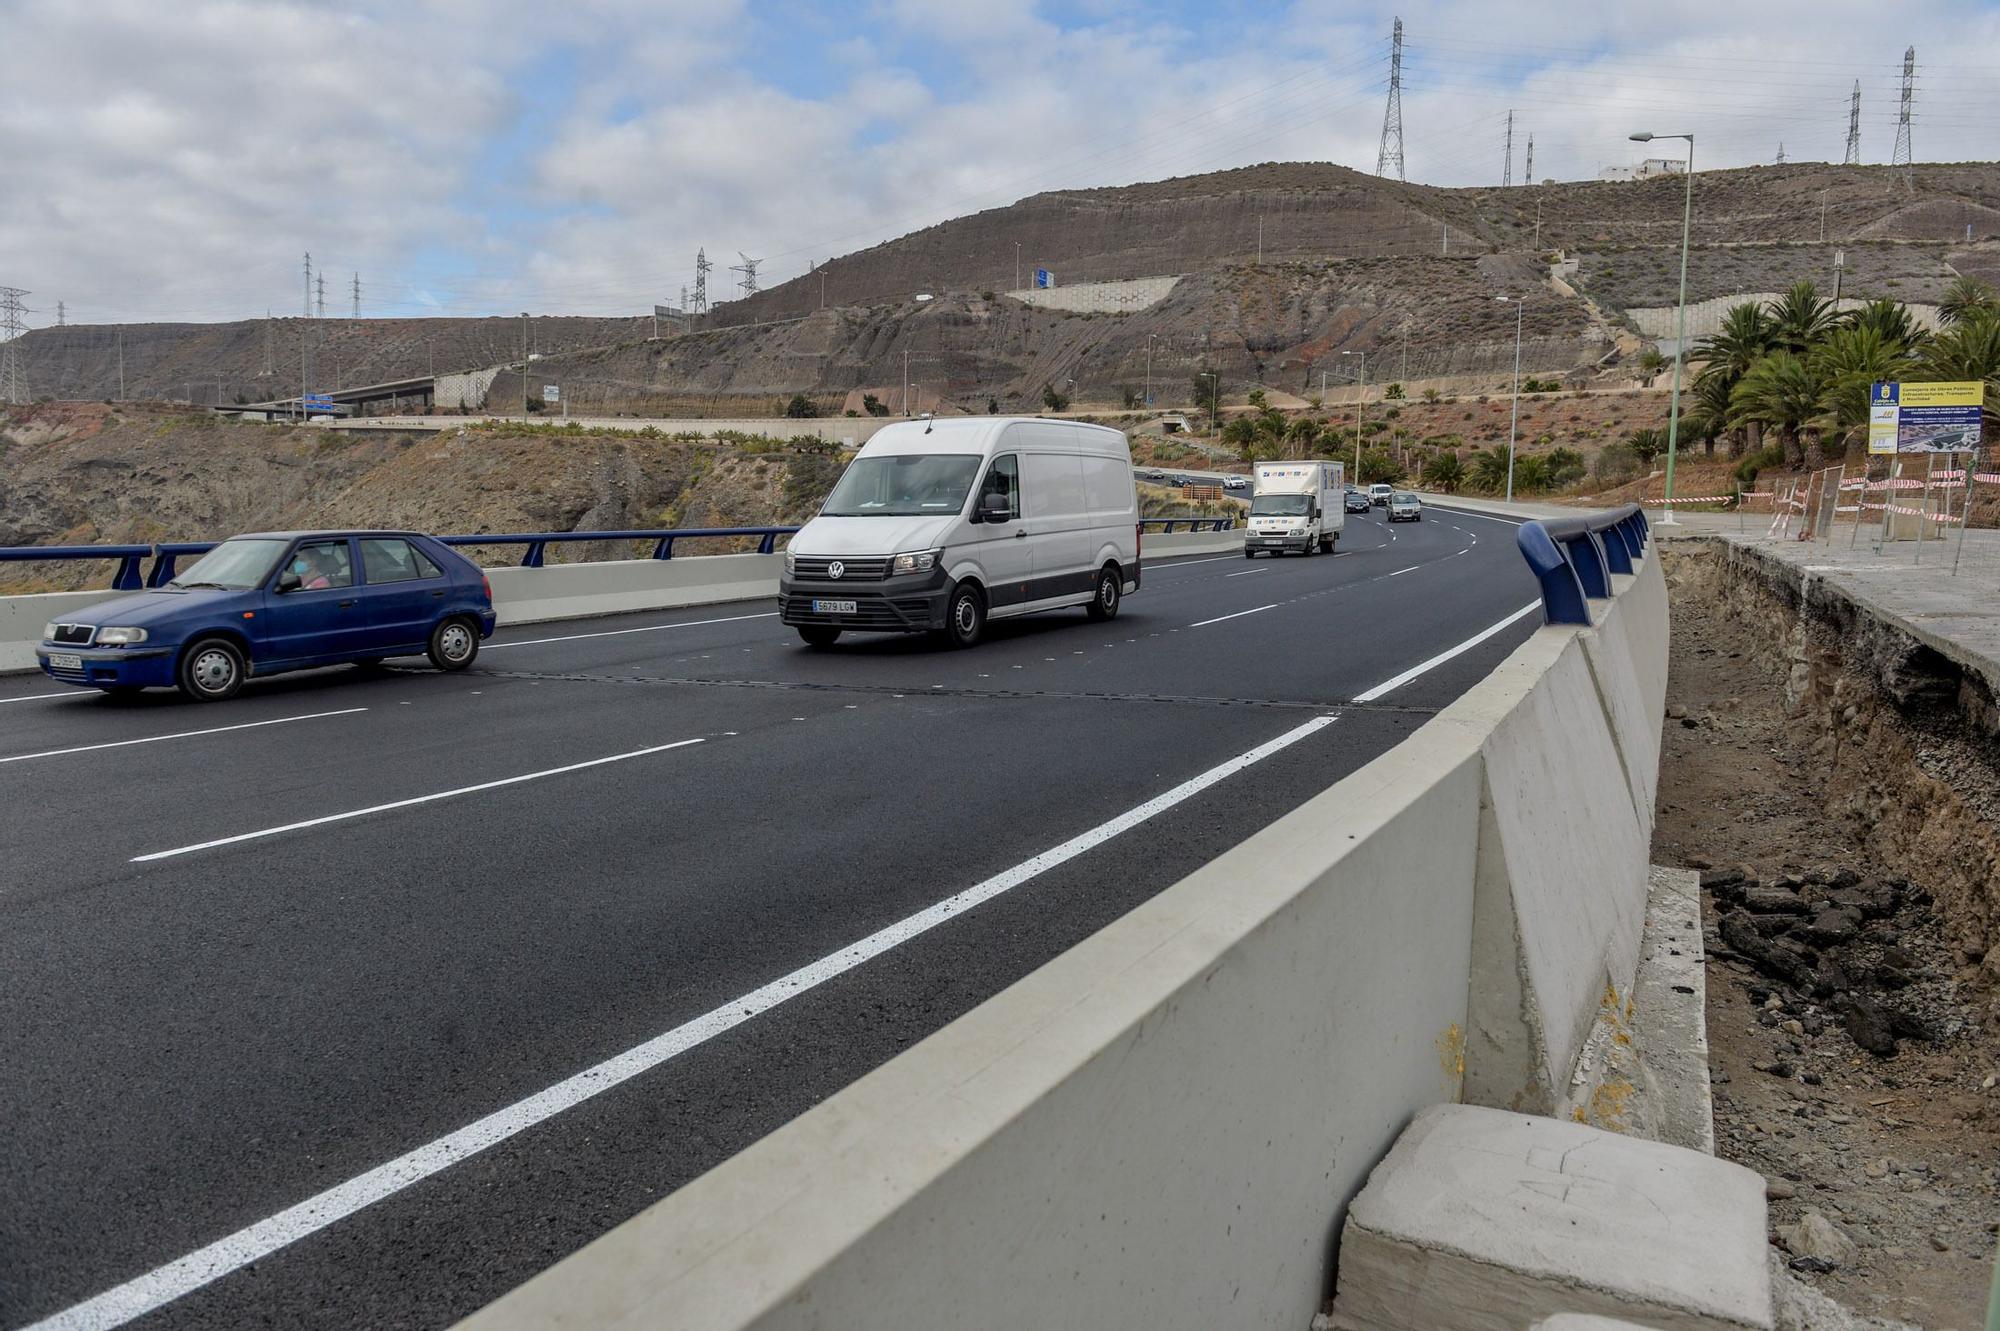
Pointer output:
836, 569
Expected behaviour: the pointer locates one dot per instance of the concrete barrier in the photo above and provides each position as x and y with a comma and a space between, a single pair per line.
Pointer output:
1163, 1126
571, 591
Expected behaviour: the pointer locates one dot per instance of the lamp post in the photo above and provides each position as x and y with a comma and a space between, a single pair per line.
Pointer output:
1150, 339
1514, 421
524, 365
1360, 404
1214, 396
1680, 321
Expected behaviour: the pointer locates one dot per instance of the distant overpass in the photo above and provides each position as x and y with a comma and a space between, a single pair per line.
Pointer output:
458, 388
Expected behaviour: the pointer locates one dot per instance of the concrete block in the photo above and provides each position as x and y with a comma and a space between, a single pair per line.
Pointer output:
1482, 1220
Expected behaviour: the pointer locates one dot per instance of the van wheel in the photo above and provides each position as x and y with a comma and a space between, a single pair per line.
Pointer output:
965, 618
1249, 554
1104, 605
1309, 548
819, 635
1327, 544
454, 644
211, 670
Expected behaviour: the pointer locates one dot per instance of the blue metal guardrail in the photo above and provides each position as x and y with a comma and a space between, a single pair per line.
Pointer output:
1574, 558
131, 574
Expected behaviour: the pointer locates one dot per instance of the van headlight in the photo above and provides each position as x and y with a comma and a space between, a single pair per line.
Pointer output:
791, 561
117, 636
916, 561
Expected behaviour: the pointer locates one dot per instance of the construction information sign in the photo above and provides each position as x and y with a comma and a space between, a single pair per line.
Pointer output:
1925, 418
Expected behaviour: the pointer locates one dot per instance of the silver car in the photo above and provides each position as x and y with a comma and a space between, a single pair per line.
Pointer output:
1405, 507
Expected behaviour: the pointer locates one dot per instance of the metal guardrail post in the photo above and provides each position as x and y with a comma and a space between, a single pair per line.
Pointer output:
1573, 558
533, 557
127, 579
1562, 595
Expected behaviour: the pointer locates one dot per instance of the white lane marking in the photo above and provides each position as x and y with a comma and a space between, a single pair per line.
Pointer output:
1238, 615
1488, 517
179, 734
43, 697
1401, 571
619, 633
1189, 563
1438, 660
404, 804
162, 1285
1246, 572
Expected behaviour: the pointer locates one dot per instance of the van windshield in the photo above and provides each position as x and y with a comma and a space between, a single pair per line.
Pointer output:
903, 485
1280, 506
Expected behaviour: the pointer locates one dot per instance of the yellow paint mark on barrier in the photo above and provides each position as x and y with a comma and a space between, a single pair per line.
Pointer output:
1451, 1052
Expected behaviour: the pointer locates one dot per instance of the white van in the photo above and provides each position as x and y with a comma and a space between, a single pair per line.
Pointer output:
940, 525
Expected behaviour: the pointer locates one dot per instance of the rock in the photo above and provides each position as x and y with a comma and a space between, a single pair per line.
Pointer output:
1816, 1265
1876, 901
1869, 1024
1779, 1190
1843, 877
1786, 960
1723, 877
1792, 1026
1819, 1238
1911, 1025
1939, 1244
1676, 711
1812, 1023
1689, 723
1812, 1079
1774, 901
1830, 928
1878, 1168
1830, 978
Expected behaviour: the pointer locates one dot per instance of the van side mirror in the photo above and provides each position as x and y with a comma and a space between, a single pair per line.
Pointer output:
288, 581
995, 508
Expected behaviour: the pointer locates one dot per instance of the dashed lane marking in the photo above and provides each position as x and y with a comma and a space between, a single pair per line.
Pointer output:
179, 734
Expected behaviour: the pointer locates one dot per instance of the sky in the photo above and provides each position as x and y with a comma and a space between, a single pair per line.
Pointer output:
176, 161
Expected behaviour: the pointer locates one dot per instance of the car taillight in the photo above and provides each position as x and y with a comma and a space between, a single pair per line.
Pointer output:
486, 587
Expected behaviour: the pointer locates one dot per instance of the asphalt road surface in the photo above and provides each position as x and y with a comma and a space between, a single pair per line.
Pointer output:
361, 999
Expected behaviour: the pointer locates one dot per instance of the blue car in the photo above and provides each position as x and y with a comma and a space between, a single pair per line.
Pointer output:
269, 602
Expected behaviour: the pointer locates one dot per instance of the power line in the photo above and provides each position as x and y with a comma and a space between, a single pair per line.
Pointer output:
1391, 151
1901, 156
13, 380
1854, 127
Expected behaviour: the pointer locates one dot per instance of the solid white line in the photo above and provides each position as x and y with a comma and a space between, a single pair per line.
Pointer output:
1238, 615
180, 734
1438, 660
42, 697
162, 1285
617, 633
1401, 571
1247, 572
1189, 563
404, 804
1471, 513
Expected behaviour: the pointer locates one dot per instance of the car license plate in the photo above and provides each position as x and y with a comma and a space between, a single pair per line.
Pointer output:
65, 661
833, 607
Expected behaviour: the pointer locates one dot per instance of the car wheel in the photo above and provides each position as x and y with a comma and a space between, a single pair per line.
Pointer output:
454, 644
1249, 554
965, 618
211, 670
1104, 605
819, 635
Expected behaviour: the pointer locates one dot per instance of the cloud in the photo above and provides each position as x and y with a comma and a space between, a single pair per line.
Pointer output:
174, 161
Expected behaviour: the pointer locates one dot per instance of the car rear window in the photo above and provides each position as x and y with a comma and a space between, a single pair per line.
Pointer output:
387, 559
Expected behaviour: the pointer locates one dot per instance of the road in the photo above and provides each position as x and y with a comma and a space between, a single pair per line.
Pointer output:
604, 898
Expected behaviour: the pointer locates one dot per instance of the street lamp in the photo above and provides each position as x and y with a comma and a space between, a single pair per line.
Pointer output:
1514, 421
1360, 405
524, 365
1680, 320
1150, 339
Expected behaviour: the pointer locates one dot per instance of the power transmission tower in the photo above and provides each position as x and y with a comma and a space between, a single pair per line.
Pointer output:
1391, 152
13, 380
270, 358
1507, 172
701, 267
321, 279
1528, 167
357, 297
1854, 126
309, 285
1902, 156
749, 270
62, 315
1781, 152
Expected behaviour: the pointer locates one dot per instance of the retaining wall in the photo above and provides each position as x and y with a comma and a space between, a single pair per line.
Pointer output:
570, 591
1126, 297
1163, 1126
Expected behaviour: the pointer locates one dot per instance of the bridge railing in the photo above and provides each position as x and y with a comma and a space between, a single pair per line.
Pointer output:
1193, 524
1574, 558
132, 573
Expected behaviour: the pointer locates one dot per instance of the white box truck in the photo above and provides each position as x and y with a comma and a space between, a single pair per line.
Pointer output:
1297, 506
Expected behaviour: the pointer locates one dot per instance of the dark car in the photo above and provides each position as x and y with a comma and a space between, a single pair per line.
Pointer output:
269, 602
1356, 501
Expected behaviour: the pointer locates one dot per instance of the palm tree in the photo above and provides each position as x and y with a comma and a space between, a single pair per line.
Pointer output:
1531, 473
1708, 414
1849, 361
1964, 297
1784, 392
1489, 469
1800, 318
1728, 354
1445, 472
1891, 320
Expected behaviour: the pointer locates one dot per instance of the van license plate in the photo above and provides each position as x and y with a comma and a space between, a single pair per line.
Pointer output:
65, 661
833, 607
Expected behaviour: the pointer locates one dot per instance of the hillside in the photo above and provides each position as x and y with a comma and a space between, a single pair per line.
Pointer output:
1407, 274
